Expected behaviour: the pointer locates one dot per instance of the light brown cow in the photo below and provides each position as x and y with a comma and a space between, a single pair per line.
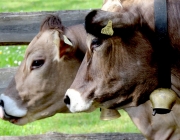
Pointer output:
49, 66
48, 69
120, 71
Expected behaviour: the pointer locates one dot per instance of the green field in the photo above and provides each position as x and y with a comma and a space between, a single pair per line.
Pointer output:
64, 123
71, 124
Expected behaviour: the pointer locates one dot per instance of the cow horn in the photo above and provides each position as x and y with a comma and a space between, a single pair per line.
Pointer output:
109, 114
162, 100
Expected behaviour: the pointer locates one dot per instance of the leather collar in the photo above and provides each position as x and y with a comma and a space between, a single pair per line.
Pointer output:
163, 46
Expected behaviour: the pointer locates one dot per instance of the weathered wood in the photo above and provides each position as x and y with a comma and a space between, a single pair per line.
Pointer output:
95, 136
6, 74
20, 28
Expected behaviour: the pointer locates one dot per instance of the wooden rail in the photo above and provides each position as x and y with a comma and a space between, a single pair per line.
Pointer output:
6, 74
95, 136
20, 28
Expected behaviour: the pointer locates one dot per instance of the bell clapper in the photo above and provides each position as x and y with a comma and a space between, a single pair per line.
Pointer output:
154, 112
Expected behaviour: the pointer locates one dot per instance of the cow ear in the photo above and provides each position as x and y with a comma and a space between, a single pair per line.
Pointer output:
66, 47
67, 41
103, 29
63, 45
90, 26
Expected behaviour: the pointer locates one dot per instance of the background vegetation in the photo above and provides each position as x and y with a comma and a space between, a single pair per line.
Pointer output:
64, 123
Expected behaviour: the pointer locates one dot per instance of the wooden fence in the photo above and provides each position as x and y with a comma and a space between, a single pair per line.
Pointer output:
19, 29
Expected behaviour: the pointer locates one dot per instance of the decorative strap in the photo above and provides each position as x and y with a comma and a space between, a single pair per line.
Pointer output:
160, 14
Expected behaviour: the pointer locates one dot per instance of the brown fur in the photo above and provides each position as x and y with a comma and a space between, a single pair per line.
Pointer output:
51, 22
111, 5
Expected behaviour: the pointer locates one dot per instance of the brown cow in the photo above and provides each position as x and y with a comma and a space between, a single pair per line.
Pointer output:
120, 71
48, 69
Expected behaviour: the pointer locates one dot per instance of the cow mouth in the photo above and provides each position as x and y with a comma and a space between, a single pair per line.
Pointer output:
10, 111
5, 116
11, 119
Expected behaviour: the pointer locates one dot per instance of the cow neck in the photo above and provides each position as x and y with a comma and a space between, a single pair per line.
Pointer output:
163, 48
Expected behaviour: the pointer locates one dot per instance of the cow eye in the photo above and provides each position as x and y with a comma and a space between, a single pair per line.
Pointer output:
37, 64
95, 43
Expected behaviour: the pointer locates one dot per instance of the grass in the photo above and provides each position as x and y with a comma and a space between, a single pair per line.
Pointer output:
11, 56
65, 123
47, 5
71, 124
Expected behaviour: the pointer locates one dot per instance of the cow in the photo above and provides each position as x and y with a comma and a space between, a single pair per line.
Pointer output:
47, 71
120, 70
50, 64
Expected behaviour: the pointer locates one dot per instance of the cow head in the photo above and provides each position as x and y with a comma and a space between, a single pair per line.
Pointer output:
48, 68
117, 71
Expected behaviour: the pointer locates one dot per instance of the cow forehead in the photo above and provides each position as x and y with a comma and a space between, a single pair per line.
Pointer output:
45, 37
41, 41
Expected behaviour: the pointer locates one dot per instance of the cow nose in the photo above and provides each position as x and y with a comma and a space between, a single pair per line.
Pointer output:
1, 109
67, 100
1, 103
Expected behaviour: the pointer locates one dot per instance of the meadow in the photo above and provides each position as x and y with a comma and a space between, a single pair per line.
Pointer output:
11, 56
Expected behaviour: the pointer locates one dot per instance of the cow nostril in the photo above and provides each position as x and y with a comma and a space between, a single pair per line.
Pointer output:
1, 103
67, 100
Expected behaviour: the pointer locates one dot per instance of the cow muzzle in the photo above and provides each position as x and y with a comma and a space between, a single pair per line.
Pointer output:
76, 103
1, 109
9, 109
